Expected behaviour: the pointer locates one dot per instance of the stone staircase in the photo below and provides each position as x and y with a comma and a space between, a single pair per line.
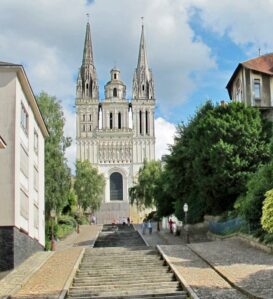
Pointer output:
118, 236
131, 271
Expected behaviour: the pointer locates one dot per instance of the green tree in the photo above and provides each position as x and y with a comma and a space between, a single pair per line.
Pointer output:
144, 192
89, 185
267, 215
57, 172
213, 156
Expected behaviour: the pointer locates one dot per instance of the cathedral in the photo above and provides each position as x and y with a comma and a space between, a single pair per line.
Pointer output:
115, 134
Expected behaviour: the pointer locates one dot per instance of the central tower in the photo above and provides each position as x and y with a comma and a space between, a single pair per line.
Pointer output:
114, 134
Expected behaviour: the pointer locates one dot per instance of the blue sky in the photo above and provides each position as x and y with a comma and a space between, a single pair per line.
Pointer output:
193, 47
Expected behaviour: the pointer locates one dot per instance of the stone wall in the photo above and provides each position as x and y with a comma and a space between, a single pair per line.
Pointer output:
112, 211
15, 247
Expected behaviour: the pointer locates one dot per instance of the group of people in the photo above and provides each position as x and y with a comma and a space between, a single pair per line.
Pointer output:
123, 221
147, 225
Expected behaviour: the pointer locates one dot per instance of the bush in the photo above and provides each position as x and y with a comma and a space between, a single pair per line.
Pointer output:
83, 219
64, 230
68, 220
267, 214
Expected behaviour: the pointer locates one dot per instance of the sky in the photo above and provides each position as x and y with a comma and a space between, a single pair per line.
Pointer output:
193, 47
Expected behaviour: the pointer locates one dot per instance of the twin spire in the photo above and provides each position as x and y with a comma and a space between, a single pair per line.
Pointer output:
87, 86
87, 58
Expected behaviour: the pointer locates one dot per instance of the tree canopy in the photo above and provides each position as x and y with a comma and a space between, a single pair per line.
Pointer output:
89, 185
212, 158
144, 192
57, 172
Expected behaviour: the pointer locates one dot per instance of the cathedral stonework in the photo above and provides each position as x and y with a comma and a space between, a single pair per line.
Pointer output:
115, 134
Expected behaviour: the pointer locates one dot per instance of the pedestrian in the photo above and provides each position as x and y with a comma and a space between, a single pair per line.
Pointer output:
150, 227
144, 226
171, 225
128, 221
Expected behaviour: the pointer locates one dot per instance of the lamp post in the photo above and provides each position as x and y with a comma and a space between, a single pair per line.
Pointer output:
52, 216
186, 209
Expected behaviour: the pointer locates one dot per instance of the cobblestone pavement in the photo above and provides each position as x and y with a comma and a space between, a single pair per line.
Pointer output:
86, 237
204, 281
159, 238
13, 281
245, 266
31, 279
49, 280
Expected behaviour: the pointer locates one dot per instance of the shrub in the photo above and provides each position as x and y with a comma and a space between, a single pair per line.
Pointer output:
68, 220
267, 214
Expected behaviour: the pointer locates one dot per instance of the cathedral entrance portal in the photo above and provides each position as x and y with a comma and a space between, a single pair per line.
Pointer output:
116, 186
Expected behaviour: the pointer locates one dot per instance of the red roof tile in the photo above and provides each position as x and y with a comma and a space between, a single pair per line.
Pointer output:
262, 64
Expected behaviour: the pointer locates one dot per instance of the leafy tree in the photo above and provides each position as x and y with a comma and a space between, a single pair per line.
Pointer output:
57, 172
89, 185
267, 216
213, 156
143, 193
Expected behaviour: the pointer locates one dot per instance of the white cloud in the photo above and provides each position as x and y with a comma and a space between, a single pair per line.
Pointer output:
247, 23
164, 133
47, 36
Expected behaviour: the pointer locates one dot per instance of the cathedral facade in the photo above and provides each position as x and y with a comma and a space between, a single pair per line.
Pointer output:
116, 135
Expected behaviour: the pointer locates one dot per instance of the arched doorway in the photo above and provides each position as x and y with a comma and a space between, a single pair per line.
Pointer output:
116, 186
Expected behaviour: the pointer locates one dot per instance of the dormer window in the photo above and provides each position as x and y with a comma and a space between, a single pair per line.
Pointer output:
257, 89
115, 92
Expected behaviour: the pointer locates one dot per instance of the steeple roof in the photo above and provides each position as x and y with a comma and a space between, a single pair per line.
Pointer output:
142, 56
87, 51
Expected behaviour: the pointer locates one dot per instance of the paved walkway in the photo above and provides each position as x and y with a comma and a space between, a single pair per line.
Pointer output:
45, 274
237, 263
248, 268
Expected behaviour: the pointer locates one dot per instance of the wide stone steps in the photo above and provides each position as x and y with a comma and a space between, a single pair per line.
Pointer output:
176, 295
123, 271
126, 281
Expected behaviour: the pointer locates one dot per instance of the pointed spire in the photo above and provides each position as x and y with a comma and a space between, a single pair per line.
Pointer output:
142, 57
88, 51
143, 86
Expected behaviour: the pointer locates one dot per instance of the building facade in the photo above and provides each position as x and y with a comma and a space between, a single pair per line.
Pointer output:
22, 224
115, 134
252, 84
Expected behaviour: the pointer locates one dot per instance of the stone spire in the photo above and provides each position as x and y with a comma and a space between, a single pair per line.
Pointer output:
143, 86
87, 85
87, 51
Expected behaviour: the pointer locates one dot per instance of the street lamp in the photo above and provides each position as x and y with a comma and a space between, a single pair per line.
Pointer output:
52, 216
186, 209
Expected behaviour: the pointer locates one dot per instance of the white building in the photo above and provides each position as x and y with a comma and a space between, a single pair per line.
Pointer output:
115, 135
22, 225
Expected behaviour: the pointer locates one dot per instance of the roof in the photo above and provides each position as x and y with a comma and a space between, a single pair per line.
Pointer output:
20, 71
262, 64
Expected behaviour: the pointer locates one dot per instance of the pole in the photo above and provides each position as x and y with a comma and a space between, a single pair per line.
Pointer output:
186, 228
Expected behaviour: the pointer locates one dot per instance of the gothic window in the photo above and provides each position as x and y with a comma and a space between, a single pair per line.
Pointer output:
140, 122
90, 117
115, 76
119, 120
111, 120
83, 117
143, 88
147, 122
86, 85
257, 89
116, 186
90, 128
83, 128
115, 93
